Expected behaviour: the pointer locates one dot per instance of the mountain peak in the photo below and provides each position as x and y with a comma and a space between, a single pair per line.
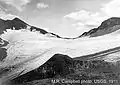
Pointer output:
18, 24
108, 26
110, 22
16, 18
114, 18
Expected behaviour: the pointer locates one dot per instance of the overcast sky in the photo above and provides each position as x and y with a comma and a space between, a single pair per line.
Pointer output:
64, 17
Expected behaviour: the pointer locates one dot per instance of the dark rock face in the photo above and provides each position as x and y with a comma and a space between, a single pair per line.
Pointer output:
2, 26
57, 65
18, 24
9, 24
3, 53
3, 43
110, 23
38, 29
61, 64
106, 27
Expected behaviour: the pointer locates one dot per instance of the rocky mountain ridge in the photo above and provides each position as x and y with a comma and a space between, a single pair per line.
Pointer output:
108, 26
17, 24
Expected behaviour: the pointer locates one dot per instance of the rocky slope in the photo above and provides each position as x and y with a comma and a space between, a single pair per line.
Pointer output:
108, 26
18, 24
58, 64
3, 53
69, 71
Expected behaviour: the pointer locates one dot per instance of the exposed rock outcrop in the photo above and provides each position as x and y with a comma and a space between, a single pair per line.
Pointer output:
57, 65
108, 26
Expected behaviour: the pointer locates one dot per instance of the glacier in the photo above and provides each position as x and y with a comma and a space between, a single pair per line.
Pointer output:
28, 50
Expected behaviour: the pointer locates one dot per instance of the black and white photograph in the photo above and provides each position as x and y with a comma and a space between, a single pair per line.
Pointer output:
59, 42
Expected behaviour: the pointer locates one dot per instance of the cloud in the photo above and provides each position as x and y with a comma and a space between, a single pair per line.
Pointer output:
85, 19
80, 25
19, 4
42, 5
88, 20
112, 9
